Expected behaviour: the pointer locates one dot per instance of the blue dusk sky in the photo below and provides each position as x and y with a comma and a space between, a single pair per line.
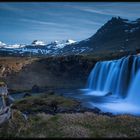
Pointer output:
23, 22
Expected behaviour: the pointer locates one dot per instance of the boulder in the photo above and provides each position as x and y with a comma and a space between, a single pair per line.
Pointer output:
27, 95
35, 89
109, 93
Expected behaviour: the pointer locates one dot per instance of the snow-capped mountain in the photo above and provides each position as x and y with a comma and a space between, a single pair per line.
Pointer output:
15, 46
37, 47
60, 44
117, 35
2, 44
38, 42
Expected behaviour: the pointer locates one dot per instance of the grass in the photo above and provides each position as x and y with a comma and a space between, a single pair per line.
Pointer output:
44, 102
75, 125
65, 125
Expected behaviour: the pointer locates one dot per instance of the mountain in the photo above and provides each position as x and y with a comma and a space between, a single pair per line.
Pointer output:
38, 42
116, 36
37, 48
2, 45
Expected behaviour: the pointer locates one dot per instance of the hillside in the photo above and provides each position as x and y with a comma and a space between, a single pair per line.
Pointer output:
116, 36
49, 72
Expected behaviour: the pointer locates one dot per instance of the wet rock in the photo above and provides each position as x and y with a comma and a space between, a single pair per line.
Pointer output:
35, 88
137, 50
27, 95
54, 105
107, 114
108, 94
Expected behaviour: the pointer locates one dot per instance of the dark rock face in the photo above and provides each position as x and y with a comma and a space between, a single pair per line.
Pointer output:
138, 51
117, 35
26, 95
51, 72
34, 42
53, 105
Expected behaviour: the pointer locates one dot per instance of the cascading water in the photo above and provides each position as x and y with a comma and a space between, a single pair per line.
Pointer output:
119, 79
115, 76
134, 91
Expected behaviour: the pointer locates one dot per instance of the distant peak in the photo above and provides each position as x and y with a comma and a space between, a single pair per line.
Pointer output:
122, 20
138, 19
56, 41
2, 44
70, 41
16, 46
116, 19
38, 42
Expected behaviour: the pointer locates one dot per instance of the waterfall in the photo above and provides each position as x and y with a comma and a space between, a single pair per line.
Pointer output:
114, 77
134, 91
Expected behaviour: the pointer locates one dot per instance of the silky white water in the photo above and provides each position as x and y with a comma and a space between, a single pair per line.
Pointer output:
119, 82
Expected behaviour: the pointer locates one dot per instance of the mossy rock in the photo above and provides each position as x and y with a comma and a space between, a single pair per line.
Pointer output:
45, 102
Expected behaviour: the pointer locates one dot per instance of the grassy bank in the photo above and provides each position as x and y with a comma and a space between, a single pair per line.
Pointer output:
41, 124
72, 125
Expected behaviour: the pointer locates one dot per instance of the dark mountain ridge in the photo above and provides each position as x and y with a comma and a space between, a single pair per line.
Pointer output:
116, 35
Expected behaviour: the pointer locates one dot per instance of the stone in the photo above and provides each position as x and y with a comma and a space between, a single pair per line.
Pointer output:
35, 88
109, 93
27, 95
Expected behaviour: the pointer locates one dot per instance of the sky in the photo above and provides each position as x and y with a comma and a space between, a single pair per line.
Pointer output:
23, 22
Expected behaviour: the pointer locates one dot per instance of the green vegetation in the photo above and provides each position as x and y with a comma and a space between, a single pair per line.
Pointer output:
87, 124
71, 125
44, 102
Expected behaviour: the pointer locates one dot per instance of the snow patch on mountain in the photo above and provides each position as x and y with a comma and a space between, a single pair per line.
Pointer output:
60, 44
2, 44
67, 42
70, 41
37, 47
132, 30
15, 46
130, 21
38, 42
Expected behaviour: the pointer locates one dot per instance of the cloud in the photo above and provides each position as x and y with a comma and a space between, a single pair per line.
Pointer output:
60, 20
43, 23
91, 22
93, 11
39, 22
127, 10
